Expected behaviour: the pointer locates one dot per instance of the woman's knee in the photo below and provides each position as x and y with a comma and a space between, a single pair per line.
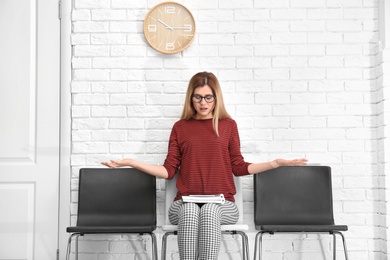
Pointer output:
179, 210
189, 209
210, 210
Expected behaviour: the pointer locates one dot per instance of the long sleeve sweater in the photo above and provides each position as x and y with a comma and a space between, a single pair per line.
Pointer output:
206, 161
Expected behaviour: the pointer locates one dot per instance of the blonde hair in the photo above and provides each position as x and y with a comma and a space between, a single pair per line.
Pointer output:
199, 80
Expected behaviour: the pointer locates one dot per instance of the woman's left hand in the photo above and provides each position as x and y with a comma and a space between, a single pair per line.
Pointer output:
294, 162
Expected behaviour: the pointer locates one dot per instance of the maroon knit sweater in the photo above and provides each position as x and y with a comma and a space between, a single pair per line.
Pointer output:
206, 161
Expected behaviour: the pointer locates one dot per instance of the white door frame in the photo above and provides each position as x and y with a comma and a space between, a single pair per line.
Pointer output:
30, 156
65, 126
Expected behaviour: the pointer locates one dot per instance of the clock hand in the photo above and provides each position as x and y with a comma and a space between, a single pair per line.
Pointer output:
182, 27
185, 27
169, 27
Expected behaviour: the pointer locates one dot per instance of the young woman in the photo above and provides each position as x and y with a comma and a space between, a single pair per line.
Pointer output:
204, 150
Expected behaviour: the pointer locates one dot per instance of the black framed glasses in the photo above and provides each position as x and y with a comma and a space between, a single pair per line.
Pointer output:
207, 98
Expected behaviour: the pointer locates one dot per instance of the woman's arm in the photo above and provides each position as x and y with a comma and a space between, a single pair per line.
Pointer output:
261, 167
155, 170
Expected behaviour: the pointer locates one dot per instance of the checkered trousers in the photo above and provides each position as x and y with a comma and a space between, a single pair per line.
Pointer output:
199, 227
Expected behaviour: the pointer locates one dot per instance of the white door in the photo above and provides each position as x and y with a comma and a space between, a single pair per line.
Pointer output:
29, 129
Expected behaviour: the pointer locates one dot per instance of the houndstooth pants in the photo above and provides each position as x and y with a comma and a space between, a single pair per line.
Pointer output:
199, 227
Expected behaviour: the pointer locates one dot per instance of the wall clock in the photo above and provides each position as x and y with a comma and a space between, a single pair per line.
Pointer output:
169, 27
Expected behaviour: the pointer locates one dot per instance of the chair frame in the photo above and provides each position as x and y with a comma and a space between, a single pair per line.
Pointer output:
98, 229
318, 228
234, 229
78, 234
259, 241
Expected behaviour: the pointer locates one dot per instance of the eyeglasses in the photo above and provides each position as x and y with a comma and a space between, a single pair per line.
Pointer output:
207, 98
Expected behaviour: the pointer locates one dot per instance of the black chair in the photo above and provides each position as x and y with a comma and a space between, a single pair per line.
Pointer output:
295, 199
121, 200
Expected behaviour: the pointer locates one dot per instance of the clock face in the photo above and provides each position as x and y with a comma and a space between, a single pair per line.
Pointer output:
169, 27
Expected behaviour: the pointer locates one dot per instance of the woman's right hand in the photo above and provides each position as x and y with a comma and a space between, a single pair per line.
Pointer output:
155, 170
118, 163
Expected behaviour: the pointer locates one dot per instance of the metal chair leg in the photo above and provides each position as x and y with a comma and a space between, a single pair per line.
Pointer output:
154, 246
334, 245
244, 237
333, 233
261, 246
77, 235
258, 243
344, 244
164, 244
70, 245
77, 248
245, 247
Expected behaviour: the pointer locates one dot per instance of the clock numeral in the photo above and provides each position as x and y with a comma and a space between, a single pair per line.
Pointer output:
170, 9
188, 27
152, 28
169, 46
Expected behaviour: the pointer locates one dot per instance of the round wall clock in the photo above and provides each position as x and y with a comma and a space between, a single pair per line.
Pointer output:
169, 27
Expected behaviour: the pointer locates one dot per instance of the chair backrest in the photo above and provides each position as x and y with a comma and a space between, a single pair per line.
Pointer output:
171, 190
294, 195
116, 197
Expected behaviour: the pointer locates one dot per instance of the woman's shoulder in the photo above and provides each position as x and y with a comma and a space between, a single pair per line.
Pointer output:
181, 123
228, 121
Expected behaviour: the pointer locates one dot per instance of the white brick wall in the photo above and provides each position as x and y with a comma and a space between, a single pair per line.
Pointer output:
301, 78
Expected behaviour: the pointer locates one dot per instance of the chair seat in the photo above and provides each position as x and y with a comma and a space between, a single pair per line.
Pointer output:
172, 228
302, 228
234, 227
169, 228
110, 229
